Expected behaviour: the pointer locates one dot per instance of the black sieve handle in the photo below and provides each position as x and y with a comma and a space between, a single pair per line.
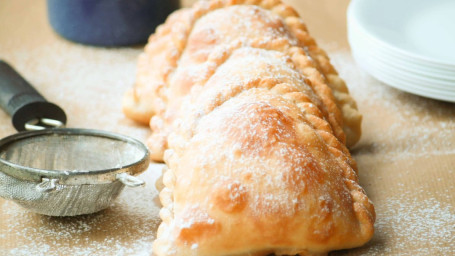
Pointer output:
22, 102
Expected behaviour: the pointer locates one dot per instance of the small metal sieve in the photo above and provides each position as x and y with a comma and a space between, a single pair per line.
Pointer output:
61, 171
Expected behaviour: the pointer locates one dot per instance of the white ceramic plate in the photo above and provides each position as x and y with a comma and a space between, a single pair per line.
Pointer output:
384, 68
361, 37
420, 29
407, 68
407, 44
412, 82
404, 85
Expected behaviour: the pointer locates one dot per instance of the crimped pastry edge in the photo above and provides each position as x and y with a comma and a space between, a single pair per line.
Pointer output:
363, 206
179, 29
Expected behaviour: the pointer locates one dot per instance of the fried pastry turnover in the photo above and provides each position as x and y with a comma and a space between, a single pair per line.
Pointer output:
253, 121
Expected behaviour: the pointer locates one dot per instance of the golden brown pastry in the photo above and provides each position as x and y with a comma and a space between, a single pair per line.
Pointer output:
175, 59
248, 108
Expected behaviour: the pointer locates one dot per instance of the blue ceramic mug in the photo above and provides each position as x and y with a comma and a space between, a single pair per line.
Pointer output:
108, 22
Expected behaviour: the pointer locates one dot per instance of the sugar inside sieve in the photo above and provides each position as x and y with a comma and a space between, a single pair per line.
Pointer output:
64, 172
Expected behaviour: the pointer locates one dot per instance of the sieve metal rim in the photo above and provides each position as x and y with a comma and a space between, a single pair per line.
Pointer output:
76, 177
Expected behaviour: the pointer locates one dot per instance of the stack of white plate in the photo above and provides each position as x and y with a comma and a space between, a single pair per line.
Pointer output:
407, 44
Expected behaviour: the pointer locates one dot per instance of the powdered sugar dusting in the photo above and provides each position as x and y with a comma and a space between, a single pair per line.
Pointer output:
126, 228
430, 222
89, 82
262, 129
411, 226
242, 22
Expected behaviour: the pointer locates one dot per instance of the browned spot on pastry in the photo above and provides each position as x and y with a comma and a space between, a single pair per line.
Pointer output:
265, 127
196, 226
231, 196
321, 227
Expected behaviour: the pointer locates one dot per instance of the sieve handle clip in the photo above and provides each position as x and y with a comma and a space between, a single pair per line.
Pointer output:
47, 185
129, 180
43, 123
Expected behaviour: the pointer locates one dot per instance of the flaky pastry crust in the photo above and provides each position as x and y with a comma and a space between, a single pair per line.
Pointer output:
161, 80
253, 117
